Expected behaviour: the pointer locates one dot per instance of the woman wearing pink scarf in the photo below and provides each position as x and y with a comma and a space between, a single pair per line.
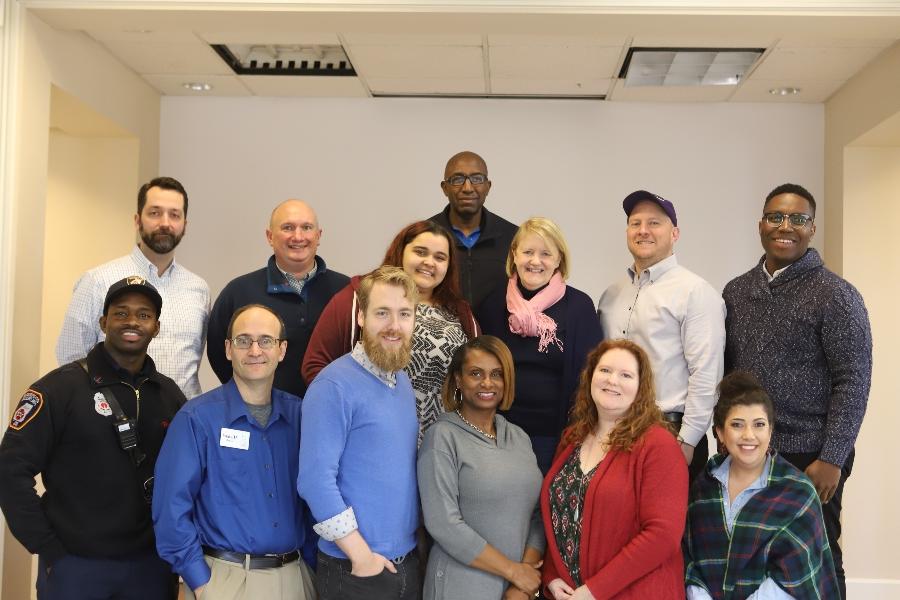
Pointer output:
549, 327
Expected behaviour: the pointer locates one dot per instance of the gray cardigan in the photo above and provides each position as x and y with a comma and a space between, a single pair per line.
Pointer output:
474, 493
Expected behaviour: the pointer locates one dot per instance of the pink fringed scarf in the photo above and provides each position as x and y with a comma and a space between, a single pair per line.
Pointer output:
527, 318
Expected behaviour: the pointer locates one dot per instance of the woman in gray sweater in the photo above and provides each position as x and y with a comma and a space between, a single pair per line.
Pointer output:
479, 483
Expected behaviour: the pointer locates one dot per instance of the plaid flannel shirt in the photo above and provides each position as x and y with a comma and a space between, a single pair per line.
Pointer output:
779, 533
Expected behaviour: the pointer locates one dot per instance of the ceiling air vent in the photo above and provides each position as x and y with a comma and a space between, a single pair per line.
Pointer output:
687, 66
286, 59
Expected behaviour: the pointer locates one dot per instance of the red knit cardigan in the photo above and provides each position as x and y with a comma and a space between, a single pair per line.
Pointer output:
632, 523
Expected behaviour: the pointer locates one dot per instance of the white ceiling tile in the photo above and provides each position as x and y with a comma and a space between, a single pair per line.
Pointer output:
554, 62
173, 85
702, 40
460, 85
413, 39
554, 87
812, 91
814, 63
320, 87
145, 35
557, 40
169, 58
714, 93
270, 37
413, 62
828, 42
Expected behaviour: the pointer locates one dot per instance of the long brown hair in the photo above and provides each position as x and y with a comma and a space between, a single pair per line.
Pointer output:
446, 294
640, 416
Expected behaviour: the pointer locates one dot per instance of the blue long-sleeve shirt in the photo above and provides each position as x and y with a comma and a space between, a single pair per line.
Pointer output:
225, 482
359, 439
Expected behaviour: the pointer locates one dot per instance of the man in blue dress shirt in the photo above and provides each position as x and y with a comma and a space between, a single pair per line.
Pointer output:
225, 509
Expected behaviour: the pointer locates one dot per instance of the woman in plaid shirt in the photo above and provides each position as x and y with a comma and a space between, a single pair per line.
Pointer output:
754, 528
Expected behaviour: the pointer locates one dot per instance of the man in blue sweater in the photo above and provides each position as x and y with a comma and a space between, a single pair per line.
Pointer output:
804, 332
358, 466
225, 511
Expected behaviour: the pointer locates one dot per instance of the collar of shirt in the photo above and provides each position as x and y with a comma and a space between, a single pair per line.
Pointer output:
467, 240
721, 474
771, 278
295, 282
148, 269
389, 378
126, 376
235, 407
653, 272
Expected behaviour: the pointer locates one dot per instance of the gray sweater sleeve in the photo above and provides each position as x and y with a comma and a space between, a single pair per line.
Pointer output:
438, 473
536, 537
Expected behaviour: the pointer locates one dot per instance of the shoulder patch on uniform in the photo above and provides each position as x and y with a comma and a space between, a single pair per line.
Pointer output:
29, 406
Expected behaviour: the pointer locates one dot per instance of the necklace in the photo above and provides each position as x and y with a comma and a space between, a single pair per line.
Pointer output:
490, 436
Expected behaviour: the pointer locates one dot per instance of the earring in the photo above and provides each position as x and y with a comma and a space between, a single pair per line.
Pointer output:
457, 397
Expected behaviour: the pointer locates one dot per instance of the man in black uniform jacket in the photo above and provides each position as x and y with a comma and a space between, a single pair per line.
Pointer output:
93, 429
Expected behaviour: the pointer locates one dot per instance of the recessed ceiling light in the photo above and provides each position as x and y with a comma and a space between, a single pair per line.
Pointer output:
687, 66
785, 91
197, 86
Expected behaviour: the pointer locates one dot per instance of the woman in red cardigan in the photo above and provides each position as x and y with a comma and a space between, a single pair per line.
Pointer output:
615, 499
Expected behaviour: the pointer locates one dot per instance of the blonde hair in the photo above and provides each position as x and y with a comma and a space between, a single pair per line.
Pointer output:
390, 276
548, 231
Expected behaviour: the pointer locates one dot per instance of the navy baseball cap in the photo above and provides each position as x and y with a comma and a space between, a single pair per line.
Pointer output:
135, 283
639, 196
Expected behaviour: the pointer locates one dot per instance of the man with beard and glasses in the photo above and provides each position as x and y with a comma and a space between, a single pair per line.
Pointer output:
295, 283
358, 455
160, 221
93, 430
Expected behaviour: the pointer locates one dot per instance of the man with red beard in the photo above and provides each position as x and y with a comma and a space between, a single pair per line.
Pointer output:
93, 430
358, 453
160, 221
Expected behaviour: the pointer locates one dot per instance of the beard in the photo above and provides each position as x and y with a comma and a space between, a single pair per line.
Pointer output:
161, 242
387, 360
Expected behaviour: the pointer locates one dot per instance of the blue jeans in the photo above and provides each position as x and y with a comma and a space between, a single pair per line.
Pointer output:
334, 581
145, 577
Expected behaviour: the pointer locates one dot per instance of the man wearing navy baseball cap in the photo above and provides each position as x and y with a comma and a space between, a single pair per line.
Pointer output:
93, 429
675, 315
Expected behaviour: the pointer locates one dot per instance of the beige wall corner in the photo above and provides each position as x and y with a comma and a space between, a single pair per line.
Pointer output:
869, 98
86, 71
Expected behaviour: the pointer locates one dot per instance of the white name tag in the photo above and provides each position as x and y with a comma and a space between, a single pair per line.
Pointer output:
235, 438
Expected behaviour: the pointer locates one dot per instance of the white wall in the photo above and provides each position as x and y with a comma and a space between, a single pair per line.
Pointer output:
370, 166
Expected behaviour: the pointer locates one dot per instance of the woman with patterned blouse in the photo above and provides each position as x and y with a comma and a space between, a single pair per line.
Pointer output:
444, 321
754, 528
615, 498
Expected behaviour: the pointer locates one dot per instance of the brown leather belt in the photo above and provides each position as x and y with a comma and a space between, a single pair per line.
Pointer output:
253, 561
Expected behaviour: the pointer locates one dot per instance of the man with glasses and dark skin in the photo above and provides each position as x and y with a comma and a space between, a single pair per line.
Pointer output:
225, 508
93, 429
295, 284
804, 332
482, 237
160, 222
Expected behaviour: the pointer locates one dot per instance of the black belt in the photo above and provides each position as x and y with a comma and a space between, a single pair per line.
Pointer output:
673, 417
253, 561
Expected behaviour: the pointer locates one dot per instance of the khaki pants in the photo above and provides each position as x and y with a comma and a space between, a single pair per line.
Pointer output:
230, 581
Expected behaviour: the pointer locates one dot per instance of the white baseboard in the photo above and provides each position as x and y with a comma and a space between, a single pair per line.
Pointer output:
873, 589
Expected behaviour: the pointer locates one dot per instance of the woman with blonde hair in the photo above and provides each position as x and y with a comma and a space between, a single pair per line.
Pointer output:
615, 499
549, 327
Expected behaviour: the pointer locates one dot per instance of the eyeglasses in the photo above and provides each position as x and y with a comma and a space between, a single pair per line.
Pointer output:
265, 342
796, 219
458, 179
